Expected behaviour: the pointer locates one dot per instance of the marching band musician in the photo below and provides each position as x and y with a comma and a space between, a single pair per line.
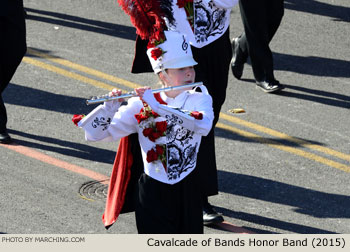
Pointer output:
170, 126
206, 25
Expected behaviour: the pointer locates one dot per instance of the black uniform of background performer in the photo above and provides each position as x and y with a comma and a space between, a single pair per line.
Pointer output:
12, 49
261, 19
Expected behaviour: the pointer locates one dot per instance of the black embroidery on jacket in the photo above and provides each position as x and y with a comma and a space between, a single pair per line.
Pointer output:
208, 21
180, 152
174, 119
102, 122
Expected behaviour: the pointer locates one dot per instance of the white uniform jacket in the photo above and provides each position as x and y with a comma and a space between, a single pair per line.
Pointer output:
211, 20
167, 157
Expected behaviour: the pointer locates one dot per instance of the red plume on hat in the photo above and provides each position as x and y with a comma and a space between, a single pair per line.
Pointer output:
148, 15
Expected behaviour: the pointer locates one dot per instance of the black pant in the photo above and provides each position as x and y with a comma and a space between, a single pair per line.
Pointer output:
169, 209
213, 68
261, 19
12, 50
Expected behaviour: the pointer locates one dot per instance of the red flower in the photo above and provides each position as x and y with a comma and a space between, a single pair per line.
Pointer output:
151, 44
160, 36
156, 53
145, 113
197, 115
156, 131
151, 156
76, 118
181, 3
159, 150
157, 154
154, 114
155, 135
140, 117
147, 132
188, 6
161, 126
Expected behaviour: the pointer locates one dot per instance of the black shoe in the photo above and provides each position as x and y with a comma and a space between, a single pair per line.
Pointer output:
269, 86
210, 216
237, 61
5, 138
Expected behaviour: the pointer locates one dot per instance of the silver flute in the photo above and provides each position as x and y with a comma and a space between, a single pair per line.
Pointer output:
106, 97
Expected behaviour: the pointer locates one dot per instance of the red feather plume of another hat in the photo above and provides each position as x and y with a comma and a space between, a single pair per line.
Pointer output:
147, 15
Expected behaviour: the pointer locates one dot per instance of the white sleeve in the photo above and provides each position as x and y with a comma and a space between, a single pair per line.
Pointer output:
201, 101
115, 125
204, 105
177, 116
124, 122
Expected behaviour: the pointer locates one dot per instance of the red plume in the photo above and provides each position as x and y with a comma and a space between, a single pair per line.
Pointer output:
145, 15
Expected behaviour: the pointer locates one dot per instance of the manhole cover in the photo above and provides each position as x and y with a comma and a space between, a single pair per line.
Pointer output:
94, 190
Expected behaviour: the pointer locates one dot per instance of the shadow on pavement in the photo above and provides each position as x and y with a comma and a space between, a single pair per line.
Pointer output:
312, 65
305, 201
231, 228
260, 220
314, 96
39, 99
316, 66
219, 132
337, 13
111, 29
67, 148
35, 98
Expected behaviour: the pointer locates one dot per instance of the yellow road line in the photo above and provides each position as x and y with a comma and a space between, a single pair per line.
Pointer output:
280, 135
277, 145
68, 74
233, 119
83, 69
222, 115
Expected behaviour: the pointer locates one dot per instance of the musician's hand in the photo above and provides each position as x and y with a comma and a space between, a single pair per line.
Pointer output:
113, 105
140, 91
116, 92
145, 93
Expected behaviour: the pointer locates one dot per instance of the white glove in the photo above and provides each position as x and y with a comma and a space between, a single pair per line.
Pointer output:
112, 106
148, 97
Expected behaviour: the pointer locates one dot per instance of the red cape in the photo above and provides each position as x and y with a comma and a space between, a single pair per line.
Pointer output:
120, 178
118, 183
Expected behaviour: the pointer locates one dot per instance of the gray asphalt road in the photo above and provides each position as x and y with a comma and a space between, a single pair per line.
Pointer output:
284, 165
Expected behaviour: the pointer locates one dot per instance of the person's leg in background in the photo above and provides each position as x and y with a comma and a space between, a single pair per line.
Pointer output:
240, 55
275, 13
12, 49
257, 33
